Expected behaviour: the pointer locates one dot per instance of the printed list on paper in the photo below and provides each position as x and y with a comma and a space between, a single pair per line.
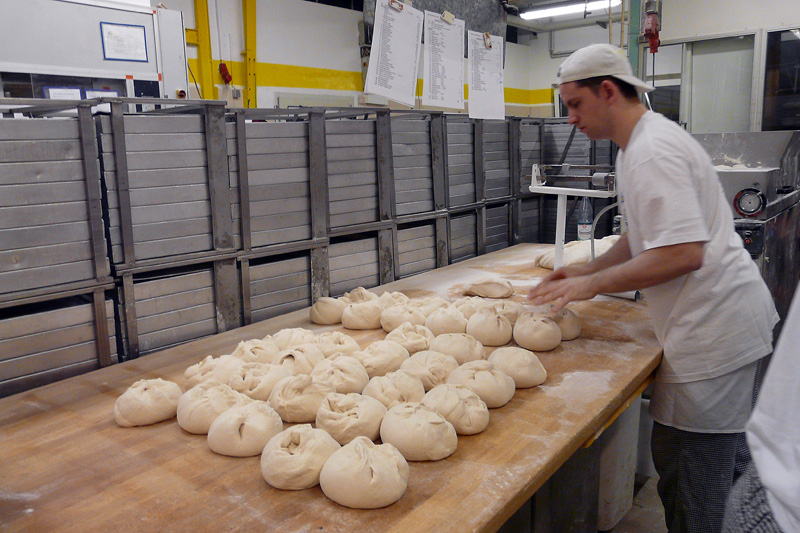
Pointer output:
394, 58
443, 82
486, 94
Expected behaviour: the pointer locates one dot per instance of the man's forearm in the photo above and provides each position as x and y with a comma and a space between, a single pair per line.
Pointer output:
619, 253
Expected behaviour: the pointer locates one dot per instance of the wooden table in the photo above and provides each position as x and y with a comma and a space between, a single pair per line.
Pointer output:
67, 466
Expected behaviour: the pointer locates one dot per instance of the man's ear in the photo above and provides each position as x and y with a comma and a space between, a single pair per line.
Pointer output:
609, 91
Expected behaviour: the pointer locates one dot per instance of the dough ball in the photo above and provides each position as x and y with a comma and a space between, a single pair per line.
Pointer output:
147, 401
347, 416
510, 310
393, 316
537, 333
289, 337
389, 299
256, 380
459, 406
293, 459
243, 430
394, 388
522, 365
382, 357
363, 475
219, 369
332, 342
491, 288
327, 310
300, 359
446, 320
199, 406
495, 388
418, 433
256, 351
358, 295
432, 368
469, 305
297, 398
462, 346
363, 315
568, 322
413, 338
429, 305
577, 252
489, 328
345, 373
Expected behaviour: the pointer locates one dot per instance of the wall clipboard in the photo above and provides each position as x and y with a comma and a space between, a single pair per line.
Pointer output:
123, 42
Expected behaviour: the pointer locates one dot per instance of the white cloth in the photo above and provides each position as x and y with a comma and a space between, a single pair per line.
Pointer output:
717, 405
716, 319
773, 432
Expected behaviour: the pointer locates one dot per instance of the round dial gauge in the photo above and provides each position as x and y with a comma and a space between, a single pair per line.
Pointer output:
749, 202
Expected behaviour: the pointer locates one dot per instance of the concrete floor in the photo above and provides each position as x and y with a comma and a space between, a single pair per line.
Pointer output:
647, 513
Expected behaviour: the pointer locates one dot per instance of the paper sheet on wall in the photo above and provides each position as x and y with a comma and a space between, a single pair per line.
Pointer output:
443, 74
485, 74
394, 57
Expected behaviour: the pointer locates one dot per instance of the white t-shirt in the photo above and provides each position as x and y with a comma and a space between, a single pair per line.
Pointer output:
718, 318
773, 432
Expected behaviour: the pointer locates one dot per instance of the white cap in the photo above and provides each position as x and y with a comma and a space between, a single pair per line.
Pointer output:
598, 60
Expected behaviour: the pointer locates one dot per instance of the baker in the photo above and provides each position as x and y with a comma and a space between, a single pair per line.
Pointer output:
712, 312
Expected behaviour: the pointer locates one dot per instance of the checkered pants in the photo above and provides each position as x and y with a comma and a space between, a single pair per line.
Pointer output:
748, 510
696, 472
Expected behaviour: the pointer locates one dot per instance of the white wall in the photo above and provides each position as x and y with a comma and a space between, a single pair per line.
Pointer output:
692, 19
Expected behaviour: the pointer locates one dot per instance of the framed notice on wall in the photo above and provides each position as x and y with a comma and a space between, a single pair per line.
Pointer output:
123, 42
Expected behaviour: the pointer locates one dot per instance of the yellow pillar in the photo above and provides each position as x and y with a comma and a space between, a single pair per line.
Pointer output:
250, 29
204, 61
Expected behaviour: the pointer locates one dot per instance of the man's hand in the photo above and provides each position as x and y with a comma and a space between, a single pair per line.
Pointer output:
563, 286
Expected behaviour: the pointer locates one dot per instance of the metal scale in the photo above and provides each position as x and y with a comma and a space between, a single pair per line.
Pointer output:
602, 178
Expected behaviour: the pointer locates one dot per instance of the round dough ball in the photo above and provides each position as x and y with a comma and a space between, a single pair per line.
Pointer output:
522, 365
393, 317
332, 342
418, 433
469, 305
363, 475
244, 430
394, 388
537, 333
293, 459
510, 310
256, 380
491, 288
459, 406
300, 359
446, 320
495, 388
147, 401
382, 357
412, 337
327, 310
462, 346
358, 295
432, 368
345, 373
297, 398
568, 322
256, 351
429, 305
390, 299
489, 328
362, 315
199, 406
289, 337
219, 369
347, 416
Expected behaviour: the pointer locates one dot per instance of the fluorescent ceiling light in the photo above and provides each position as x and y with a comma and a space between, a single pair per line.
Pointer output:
569, 10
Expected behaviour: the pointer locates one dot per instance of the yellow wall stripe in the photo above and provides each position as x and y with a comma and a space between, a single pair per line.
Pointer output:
275, 75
